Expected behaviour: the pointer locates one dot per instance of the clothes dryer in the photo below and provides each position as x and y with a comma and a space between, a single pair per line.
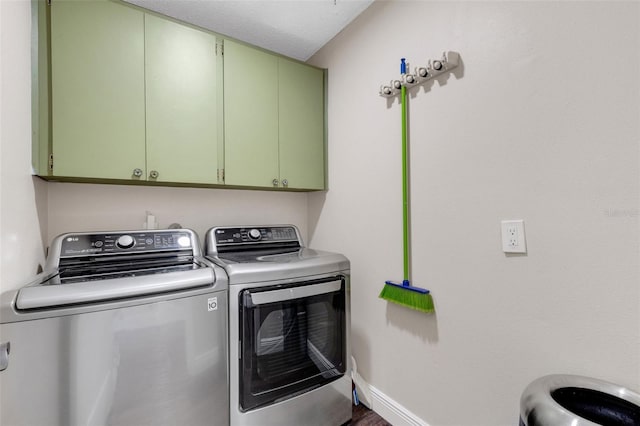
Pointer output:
289, 320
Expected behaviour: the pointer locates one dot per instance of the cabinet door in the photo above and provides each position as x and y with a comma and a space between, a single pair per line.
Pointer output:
181, 95
97, 78
250, 116
301, 118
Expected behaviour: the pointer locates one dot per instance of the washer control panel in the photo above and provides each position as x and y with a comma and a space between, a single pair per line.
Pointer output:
113, 243
250, 235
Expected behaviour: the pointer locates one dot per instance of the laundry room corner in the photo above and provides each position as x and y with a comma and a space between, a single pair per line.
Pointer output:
199, 216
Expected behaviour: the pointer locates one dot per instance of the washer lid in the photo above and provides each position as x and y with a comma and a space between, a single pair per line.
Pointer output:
53, 292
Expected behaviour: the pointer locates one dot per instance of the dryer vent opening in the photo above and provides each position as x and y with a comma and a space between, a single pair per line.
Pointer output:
598, 407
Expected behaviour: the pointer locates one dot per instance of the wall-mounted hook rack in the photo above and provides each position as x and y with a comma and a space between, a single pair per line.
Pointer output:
434, 68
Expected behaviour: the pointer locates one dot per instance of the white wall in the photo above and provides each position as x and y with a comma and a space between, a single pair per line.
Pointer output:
22, 198
85, 207
541, 124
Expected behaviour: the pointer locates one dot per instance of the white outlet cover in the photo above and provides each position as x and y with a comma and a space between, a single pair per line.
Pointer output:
513, 236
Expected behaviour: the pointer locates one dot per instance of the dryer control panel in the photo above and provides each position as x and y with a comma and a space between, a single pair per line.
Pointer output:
250, 235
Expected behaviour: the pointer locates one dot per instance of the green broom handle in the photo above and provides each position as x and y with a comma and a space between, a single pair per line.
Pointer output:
405, 189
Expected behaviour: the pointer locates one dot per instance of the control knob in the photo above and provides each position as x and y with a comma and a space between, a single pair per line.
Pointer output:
125, 242
254, 234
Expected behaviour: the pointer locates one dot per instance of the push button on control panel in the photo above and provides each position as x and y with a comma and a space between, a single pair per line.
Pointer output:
125, 242
254, 234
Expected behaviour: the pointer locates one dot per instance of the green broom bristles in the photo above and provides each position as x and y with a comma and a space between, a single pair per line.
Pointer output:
405, 297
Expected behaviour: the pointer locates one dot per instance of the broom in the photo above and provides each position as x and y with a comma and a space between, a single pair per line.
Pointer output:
405, 294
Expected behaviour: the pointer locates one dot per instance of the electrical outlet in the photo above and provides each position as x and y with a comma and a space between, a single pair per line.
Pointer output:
512, 235
513, 238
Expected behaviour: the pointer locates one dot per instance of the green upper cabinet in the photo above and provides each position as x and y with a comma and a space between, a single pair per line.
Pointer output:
134, 96
301, 125
274, 120
97, 90
182, 104
131, 96
250, 116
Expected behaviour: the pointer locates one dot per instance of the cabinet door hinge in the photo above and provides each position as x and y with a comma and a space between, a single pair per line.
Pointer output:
51, 162
220, 48
49, 2
221, 175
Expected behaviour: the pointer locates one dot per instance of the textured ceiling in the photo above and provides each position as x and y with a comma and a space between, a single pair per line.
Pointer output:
295, 28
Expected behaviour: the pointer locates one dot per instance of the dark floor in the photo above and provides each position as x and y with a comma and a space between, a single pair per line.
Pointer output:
362, 416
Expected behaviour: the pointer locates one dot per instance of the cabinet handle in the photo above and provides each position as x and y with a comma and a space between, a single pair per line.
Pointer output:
137, 172
5, 348
275, 182
154, 174
285, 183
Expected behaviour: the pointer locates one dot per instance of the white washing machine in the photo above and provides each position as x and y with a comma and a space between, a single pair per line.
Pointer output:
289, 322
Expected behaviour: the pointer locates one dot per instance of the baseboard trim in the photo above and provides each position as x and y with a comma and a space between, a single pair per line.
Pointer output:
391, 411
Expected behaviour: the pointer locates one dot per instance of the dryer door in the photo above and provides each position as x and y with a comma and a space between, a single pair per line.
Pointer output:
293, 340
